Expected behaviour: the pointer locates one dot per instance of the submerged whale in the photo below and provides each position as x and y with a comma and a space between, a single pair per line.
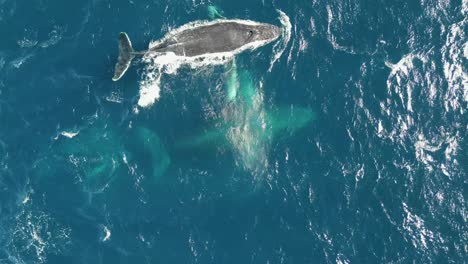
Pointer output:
200, 39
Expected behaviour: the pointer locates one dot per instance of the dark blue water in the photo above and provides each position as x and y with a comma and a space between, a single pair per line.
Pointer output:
352, 149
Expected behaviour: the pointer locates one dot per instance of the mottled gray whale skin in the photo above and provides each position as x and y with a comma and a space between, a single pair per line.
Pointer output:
221, 37
198, 40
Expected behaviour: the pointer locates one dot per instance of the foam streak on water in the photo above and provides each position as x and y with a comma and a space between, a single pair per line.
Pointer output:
68, 134
330, 35
150, 87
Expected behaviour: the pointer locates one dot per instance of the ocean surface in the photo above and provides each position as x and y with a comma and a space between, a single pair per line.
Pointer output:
344, 141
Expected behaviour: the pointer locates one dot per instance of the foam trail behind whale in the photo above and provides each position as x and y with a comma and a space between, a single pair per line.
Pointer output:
280, 46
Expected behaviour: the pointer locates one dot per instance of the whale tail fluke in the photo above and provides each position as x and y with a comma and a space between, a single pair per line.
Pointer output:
126, 54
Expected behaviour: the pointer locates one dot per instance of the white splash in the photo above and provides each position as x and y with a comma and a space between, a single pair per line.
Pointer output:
70, 134
149, 88
280, 47
27, 43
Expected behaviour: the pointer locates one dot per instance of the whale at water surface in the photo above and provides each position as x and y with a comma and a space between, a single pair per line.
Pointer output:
199, 39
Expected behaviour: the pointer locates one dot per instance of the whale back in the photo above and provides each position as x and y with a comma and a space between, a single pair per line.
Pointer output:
215, 38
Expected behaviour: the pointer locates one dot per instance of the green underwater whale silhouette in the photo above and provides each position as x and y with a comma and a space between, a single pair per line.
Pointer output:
102, 151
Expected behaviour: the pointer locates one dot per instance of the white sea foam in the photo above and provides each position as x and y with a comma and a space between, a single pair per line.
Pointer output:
455, 51
2, 62
107, 232
201, 23
417, 72
69, 134
150, 84
27, 43
341, 259
36, 235
21, 60
29, 39
280, 47
290, 55
54, 37
115, 97
424, 150
331, 38
403, 78
169, 63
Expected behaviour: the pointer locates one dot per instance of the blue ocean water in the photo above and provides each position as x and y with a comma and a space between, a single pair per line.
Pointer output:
351, 147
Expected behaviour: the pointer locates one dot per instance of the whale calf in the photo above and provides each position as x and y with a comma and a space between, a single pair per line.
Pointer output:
198, 39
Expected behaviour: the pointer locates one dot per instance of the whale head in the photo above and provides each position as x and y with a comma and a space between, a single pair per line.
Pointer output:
262, 32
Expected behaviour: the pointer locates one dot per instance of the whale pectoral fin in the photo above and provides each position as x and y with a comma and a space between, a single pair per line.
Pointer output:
214, 12
126, 54
232, 81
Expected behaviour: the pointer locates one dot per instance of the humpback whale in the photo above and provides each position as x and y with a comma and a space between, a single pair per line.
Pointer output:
198, 39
